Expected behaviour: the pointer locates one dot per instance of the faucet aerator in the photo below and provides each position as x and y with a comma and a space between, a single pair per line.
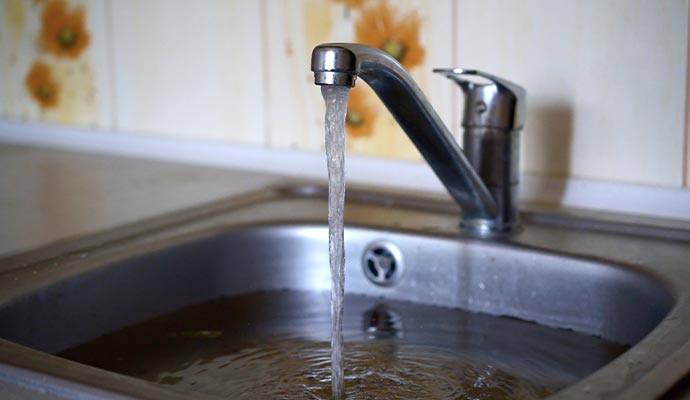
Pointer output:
334, 65
334, 78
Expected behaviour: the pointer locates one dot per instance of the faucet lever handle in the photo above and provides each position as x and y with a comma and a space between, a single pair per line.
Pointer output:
499, 103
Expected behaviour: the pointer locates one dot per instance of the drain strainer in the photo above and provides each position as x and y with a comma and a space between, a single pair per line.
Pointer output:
382, 263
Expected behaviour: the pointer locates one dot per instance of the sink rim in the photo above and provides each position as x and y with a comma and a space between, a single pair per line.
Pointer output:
11, 354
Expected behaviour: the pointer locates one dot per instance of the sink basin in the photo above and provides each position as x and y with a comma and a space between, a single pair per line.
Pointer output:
626, 281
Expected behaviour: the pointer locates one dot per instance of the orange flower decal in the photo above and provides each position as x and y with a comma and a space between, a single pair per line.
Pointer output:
351, 3
359, 121
42, 86
380, 27
63, 33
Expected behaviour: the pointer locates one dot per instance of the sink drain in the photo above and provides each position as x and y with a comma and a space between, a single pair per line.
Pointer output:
382, 263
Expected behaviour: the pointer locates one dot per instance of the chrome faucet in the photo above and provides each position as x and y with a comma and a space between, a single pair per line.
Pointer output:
484, 180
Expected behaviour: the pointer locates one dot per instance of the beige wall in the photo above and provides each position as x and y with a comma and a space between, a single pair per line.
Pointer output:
606, 80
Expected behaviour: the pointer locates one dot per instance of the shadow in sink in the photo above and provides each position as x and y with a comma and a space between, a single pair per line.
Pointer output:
275, 244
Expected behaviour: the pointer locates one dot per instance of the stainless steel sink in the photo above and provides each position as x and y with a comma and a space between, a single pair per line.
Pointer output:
626, 280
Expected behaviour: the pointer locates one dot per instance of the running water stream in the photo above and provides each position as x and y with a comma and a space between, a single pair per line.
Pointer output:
336, 110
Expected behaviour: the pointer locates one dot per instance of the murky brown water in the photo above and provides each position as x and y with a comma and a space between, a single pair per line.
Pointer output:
277, 345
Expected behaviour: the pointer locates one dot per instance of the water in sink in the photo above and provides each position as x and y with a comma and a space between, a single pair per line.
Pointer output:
276, 345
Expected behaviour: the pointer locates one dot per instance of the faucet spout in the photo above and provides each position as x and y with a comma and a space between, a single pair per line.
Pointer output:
342, 63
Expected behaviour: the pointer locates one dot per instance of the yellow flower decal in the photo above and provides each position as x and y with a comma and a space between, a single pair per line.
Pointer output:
359, 121
379, 26
63, 32
42, 86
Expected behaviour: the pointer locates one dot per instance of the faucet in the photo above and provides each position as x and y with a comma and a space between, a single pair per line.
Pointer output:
484, 179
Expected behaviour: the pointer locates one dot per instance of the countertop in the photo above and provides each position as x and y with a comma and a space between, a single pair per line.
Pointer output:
48, 195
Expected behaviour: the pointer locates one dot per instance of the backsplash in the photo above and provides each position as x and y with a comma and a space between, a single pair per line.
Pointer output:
607, 80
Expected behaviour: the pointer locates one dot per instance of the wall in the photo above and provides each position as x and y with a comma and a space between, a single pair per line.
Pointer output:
607, 80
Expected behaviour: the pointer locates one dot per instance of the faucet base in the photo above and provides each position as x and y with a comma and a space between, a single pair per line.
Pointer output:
487, 227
